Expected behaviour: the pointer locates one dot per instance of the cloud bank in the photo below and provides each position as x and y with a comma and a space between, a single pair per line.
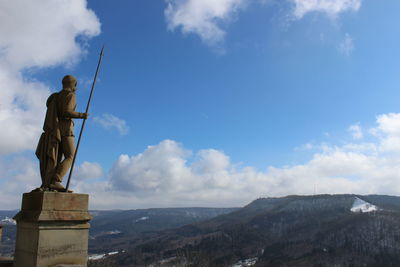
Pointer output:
88, 170
43, 35
169, 175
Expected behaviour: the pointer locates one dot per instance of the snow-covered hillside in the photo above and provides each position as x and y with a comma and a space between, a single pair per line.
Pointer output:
8, 221
360, 205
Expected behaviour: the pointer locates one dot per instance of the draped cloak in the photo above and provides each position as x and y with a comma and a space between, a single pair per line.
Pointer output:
47, 150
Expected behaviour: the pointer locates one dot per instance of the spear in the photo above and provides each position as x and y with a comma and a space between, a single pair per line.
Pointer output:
84, 121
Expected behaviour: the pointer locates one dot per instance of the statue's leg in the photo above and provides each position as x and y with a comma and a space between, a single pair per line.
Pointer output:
68, 150
49, 173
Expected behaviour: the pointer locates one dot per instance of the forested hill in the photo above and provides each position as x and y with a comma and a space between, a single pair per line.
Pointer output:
112, 226
322, 230
145, 220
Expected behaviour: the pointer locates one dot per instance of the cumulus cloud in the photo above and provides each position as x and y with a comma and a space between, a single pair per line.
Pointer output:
22, 107
202, 17
137, 173
17, 175
43, 35
109, 121
389, 124
88, 170
20, 174
170, 175
162, 175
329, 7
388, 131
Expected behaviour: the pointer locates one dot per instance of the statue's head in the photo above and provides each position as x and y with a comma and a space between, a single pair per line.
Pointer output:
69, 81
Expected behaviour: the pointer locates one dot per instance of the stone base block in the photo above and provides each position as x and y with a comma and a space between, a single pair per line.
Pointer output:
6, 262
52, 230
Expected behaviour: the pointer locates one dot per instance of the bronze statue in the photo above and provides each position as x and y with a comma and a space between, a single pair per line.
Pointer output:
56, 147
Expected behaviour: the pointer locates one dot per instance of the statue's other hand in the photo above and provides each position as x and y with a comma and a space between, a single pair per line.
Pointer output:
85, 115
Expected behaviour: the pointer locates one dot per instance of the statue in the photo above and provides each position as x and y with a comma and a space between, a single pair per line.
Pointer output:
56, 147
53, 227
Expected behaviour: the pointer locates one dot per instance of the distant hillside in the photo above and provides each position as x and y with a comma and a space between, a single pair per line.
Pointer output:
323, 230
144, 220
114, 225
111, 229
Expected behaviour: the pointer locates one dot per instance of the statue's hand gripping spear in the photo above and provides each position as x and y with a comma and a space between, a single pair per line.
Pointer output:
84, 121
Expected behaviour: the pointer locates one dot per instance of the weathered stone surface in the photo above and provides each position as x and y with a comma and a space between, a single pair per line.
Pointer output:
52, 229
54, 206
6, 262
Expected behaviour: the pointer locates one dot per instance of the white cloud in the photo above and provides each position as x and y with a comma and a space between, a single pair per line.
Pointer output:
210, 161
163, 176
22, 105
389, 124
168, 174
20, 174
137, 173
330, 7
347, 45
356, 131
17, 176
207, 18
88, 170
388, 131
110, 121
202, 17
43, 35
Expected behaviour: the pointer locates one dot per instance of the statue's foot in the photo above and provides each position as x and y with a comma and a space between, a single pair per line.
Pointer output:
57, 186
39, 189
66, 191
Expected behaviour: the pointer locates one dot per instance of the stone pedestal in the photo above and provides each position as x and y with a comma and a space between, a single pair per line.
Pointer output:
52, 229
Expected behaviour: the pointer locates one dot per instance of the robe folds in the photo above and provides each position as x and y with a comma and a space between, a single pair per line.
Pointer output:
48, 149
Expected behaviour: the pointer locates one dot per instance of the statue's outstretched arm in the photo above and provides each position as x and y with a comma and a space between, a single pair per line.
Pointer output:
75, 115
69, 111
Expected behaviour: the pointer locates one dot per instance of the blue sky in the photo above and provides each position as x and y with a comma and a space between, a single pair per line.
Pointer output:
276, 84
229, 94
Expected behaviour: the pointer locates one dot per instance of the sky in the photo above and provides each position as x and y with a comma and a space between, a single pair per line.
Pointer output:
206, 102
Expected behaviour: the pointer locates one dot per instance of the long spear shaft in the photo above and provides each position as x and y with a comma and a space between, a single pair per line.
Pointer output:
84, 121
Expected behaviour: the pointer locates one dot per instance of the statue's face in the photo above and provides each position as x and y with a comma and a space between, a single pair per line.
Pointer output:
71, 85
69, 81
